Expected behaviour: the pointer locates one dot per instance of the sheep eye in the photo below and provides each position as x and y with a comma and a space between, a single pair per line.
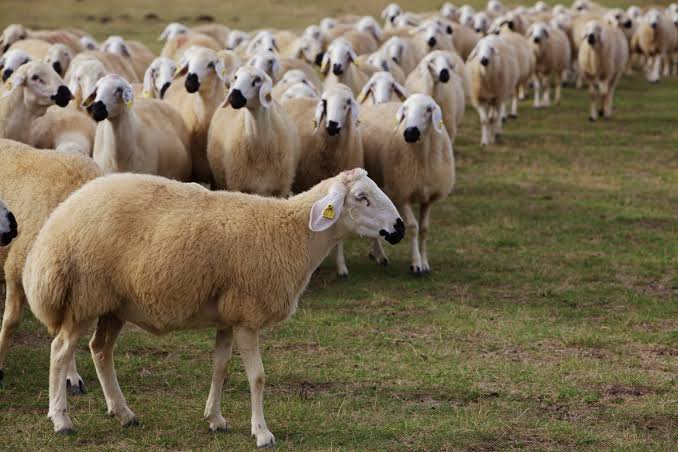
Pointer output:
256, 80
35, 78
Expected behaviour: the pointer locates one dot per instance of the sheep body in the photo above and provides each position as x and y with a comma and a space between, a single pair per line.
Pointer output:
64, 129
553, 58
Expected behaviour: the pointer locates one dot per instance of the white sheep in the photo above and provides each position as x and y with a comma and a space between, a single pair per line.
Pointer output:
82, 76
217, 31
429, 36
309, 46
59, 56
378, 62
11, 61
338, 66
553, 56
252, 144
380, 88
401, 51
64, 129
112, 62
237, 38
657, 38
415, 164
33, 182
389, 14
36, 43
481, 23
89, 43
292, 78
264, 40
249, 261
296, 91
275, 67
602, 59
178, 39
449, 11
139, 56
140, 136
172, 30
158, 77
8, 226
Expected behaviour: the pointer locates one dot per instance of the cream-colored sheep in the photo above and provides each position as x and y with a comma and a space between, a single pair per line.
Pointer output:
330, 141
275, 67
82, 76
381, 88
309, 46
237, 39
38, 41
139, 56
89, 43
32, 88
64, 129
401, 51
252, 144
178, 41
442, 76
389, 14
364, 36
32, 183
297, 91
217, 31
481, 23
158, 78
657, 38
250, 259
414, 163
430, 36
264, 40
338, 66
552, 50
36, 48
493, 77
291, 78
144, 136
59, 56
196, 95
602, 59
378, 62
113, 63
11, 61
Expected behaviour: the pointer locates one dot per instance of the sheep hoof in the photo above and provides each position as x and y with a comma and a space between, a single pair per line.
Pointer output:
222, 429
416, 270
75, 390
512, 116
134, 422
65, 431
342, 274
601, 113
592, 119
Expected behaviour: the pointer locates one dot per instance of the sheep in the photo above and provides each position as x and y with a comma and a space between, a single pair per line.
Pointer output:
64, 129
8, 226
147, 136
11, 61
33, 182
481, 23
196, 97
59, 56
139, 56
264, 40
389, 14
413, 164
464, 39
158, 78
401, 51
293, 77
330, 142
82, 76
340, 58
442, 76
112, 62
250, 259
253, 146
13, 34
36, 48
377, 62
172, 30
602, 60
657, 38
364, 36
275, 67
32, 88
296, 91
552, 50
495, 8
178, 40
493, 76
449, 11
89, 43
308, 47
217, 31
237, 38
380, 88
430, 36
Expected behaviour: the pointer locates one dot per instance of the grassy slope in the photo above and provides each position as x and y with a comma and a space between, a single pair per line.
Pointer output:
551, 319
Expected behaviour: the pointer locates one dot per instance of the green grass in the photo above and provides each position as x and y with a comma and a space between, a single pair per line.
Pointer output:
550, 320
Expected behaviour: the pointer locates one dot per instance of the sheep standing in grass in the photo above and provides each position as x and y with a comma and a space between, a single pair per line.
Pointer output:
413, 165
602, 59
308, 47
33, 183
118, 252
146, 136
380, 62
430, 36
552, 50
252, 144
382, 88
276, 67
338, 66
657, 38
8, 226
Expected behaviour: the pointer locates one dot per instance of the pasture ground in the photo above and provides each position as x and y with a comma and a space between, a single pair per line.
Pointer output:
550, 320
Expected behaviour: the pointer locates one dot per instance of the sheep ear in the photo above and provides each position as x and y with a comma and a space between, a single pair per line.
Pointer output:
319, 114
400, 115
276, 69
126, 52
352, 55
546, 33
376, 32
164, 34
472, 55
128, 96
148, 82
90, 99
275, 45
365, 92
325, 65
182, 69
265, 92
220, 69
400, 91
355, 111
2, 63
326, 211
437, 119
15, 82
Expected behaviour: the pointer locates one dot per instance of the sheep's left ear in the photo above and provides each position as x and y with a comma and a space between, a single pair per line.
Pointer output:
128, 96
400, 91
15, 82
90, 99
265, 91
325, 65
220, 68
327, 210
437, 119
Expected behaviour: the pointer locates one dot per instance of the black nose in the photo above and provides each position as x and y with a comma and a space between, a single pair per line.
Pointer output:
333, 128
7, 74
62, 97
536, 40
192, 84
477, 30
449, 30
57, 67
432, 41
392, 19
628, 24
444, 75
654, 25
98, 111
412, 134
164, 89
396, 236
591, 39
236, 99
319, 59
484, 61
7, 237
337, 69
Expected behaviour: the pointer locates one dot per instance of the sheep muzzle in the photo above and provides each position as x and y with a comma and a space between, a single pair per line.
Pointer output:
163, 90
192, 83
444, 75
62, 97
8, 236
394, 237
432, 41
236, 99
337, 69
412, 134
98, 111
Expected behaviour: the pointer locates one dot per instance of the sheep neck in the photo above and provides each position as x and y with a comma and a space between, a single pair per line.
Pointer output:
17, 116
210, 95
125, 134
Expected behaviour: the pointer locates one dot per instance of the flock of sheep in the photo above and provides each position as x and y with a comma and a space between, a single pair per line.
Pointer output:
248, 149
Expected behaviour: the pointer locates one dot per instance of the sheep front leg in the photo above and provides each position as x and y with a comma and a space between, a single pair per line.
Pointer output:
424, 222
377, 254
603, 91
558, 80
666, 63
593, 96
547, 91
655, 68
413, 231
101, 346
514, 107
62, 351
342, 270
248, 344
484, 125
223, 348
537, 91
74, 382
14, 307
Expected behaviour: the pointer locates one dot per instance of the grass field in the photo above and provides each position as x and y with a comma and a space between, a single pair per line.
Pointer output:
550, 320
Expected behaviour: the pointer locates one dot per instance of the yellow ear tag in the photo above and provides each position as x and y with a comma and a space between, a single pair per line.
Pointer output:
328, 212
146, 93
9, 85
129, 103
440, 123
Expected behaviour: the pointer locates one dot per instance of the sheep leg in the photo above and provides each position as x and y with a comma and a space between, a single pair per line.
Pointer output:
537, 92
424, 222
74, 382
342, 270
609, 97
413, 231
62, 351
222, 356
484, 122
547, 91
248, 344
655, 65
521, 92
666, 62
14, 307
377, 254
558, 78
514, 106
603, 89
593, 95
101, 346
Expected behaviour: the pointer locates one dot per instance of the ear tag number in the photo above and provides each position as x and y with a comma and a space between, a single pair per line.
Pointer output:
328, 212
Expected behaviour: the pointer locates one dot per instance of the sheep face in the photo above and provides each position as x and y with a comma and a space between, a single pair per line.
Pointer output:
406, 20
8, 226
538, 33
11, 61
466, 14
327, 24
111, 97
485, 52
418, 113
89, 43
296, 76
251, 87
394, 49
540, 7
10, 35
481, 23
356, 204
592, 33
310, 49
84, 76
158, 77
172, 31
268, 62
42, 86
264, 40
391, 12
439, 65
429, 32
336, 108
618, 18
581, 5
495, 7
450, 11
116, 45
59, 57
381, 87
236, 38
369, 25
339, 56
298, 90
198, 64
653, 17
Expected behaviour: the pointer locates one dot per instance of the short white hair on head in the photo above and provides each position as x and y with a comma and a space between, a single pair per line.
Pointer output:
12, 60
173, 30
420, 112
381, 87
298, 90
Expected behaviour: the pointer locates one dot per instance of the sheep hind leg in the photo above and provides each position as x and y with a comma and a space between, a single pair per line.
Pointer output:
342, 269
62, 351
74, 382
101, 346
14, 308
413, 231
378, 254
424, 222
537, 92
248, 344
223, 348
484, 125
